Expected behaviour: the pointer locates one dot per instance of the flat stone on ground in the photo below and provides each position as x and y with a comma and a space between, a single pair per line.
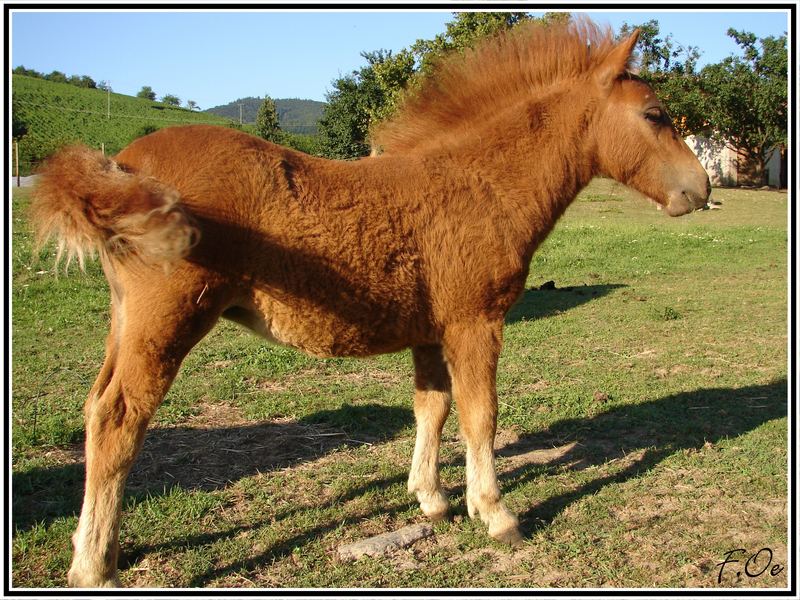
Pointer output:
384, 543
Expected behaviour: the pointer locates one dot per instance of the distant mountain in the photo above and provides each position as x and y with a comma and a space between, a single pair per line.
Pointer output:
294, 115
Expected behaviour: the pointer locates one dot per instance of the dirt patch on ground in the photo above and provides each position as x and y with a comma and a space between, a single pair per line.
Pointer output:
319, 376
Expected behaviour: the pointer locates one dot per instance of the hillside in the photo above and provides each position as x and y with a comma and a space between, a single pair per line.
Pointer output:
58, 113
294, 115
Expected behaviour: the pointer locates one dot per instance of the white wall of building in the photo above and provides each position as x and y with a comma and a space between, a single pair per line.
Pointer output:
721, 162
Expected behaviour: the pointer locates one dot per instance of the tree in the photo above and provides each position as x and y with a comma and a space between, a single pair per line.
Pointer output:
104, 85
267, 120
171, 99
393, 75
344, 126
21, 70
192, 105
19, 128
87, 82
83, 81
146, 92
660, 54
57, 76
463, 31
746, 98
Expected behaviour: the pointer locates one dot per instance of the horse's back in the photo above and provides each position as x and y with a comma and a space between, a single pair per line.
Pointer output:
203, 161
321, 250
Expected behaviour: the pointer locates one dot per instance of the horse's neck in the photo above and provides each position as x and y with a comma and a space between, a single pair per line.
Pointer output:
537, 158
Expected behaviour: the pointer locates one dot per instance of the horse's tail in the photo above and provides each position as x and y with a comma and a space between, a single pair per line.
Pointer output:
90, 204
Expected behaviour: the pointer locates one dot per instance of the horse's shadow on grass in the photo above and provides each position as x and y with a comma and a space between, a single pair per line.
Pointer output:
649, 432
639, 436
642, 435
207, 458
542, 303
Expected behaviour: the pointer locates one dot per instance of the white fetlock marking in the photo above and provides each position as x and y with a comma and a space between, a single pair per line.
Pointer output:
423, 478
483, 493
94, 536
433, 504
472, 511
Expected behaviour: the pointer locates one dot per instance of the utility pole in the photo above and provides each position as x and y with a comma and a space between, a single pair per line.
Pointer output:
16, 158
240, 113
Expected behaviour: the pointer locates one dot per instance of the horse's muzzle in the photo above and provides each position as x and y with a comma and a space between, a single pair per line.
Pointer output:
686, 201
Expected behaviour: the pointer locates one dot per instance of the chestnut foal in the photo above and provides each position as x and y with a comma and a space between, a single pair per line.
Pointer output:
426, 245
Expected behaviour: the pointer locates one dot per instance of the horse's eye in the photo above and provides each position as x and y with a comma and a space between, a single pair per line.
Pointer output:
654, 115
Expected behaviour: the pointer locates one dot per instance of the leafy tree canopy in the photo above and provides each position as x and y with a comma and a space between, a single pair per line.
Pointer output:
57, 76
77, 80
171, 99
146, 92
746, 97
344, 126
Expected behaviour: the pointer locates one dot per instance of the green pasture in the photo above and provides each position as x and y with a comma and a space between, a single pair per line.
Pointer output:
642, 430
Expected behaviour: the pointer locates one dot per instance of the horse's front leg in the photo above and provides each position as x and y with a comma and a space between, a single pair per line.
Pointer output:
431, 407
472, 351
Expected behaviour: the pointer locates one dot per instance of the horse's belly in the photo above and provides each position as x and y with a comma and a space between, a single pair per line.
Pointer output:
314, 332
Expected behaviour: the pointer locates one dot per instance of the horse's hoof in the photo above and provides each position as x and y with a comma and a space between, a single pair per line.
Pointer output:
434, 506
81, 580
510, 536
439, 517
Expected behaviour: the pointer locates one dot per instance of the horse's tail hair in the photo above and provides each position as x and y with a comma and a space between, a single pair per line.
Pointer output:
90, 204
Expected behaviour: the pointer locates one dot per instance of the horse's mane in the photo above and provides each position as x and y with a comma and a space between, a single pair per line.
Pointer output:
467, 88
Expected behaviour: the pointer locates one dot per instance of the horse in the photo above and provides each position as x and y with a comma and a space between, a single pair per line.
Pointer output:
425, 245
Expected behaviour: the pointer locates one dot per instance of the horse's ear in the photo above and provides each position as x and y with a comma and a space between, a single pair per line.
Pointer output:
616, 63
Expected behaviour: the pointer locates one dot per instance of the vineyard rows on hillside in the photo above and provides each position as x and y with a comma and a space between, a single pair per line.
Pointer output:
54, 114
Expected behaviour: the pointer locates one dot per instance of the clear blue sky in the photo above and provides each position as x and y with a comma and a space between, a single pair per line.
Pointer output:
215, 57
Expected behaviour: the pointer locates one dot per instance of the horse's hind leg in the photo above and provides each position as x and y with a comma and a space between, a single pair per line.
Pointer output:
154, 328
472, 352
107, 370
431, 407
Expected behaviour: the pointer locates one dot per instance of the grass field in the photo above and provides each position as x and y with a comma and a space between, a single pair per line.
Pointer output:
642, 431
